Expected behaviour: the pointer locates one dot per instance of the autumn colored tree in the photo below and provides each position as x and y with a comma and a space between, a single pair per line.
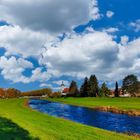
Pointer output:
40, 92
2, 93
12, 93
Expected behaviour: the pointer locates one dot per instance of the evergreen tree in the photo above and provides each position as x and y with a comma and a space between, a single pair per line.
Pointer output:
73, 89
104, 90
84, 88
93, 86
100, 93
116, 90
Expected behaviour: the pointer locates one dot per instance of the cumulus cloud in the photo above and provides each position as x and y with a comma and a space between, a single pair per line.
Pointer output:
94, 10
93, 53
51, 15
13, 68
124, 40
129, 59
39, 75
34, 24
23, 42
111, 30
79, 55
135, 25
110, 14
82, 55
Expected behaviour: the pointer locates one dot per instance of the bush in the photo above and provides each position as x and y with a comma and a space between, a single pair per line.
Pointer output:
55, 95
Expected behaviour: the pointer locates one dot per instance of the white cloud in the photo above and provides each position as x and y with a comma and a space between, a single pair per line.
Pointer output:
93, 53
45, 85
110, 14
135, 25
130, 52
66, 83
94, 10
129, 58
124, 40
13, 68
39, 75
50, 15
82, 55
111, 30
23, 42
78, 55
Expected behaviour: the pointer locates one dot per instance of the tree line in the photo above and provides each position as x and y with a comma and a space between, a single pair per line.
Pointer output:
15, 93
40, 92
9, 93
90, 87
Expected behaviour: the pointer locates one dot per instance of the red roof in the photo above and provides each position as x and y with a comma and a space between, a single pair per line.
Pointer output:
66, 90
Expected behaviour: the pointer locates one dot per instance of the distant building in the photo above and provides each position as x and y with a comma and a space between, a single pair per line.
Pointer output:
64, 90
62, 87
121, 93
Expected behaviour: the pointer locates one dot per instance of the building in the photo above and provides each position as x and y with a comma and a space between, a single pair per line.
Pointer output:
121, 93
64, 90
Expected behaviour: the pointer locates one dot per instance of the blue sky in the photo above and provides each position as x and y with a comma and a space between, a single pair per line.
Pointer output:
40, 50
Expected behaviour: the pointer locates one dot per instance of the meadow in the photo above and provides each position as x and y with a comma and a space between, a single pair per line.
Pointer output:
120, 103
19, 122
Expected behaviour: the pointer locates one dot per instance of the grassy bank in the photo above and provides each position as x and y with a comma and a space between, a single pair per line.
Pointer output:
129, 106
33, 125
120, 103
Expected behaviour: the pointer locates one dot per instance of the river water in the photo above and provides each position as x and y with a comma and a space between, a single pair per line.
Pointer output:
100, 119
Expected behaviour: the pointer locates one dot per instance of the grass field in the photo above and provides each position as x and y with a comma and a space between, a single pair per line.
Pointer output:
18, 122
121, 103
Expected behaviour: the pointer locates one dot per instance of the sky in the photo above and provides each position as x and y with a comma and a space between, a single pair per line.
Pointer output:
45, 42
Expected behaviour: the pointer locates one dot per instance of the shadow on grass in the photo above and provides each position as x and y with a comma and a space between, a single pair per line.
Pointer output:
11, 131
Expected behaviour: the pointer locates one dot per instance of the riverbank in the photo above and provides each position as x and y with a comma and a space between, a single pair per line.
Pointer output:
40, 126
118, 111
129, 106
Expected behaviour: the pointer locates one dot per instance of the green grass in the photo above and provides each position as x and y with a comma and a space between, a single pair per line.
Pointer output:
10, 130
121, 103
20, 121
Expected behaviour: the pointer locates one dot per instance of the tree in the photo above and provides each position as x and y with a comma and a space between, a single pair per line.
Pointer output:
104, 90
2, 93
116, 90
84, 88
82, 91
73, 89
12, 93
130, 84
93, 86
40, 92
